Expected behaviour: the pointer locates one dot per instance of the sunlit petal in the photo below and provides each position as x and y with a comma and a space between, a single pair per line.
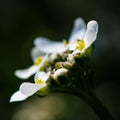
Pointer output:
72, 46
18, 96
39, 75
26, 73
78, 30
46, 77
47, 46
93, 25
29, 89
42, 76
91, 33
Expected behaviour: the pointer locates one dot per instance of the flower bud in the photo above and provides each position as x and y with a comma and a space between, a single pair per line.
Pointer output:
61, 75
43, 91
66, 65
54, 58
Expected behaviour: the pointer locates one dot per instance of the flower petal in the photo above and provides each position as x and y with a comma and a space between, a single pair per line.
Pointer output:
42, 76
47, 46
39, 41
17, 96
29, 89
26, 73
91, 33
72, 46
36, 52
39, 75
78, 30
93, 25
46, 77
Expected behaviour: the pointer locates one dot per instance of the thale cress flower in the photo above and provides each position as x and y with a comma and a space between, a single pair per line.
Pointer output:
45, 51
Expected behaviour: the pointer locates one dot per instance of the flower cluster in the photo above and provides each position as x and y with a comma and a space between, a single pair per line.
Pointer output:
58, 65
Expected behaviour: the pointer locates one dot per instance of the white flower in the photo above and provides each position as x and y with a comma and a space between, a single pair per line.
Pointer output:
28, 89
44, 45
26, 73
81, 40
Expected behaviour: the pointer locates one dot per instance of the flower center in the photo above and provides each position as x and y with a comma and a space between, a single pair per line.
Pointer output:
38, 61
80, 44
65, 42
38, 81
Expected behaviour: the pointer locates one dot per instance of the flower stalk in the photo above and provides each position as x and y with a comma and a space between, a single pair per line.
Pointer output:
91, 99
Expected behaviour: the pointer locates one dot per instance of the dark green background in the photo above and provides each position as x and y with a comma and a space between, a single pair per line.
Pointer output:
23, 20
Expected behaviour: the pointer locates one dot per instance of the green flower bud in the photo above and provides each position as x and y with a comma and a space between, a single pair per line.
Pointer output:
54, 58
61, 76
43, 91
66, 65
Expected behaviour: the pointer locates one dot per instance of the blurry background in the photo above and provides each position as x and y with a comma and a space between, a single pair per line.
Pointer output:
21, 21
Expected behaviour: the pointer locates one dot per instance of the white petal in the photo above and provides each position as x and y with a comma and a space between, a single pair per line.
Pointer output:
46, 77
72, 46
39, 75
35, 52
47, 46
93, 24
26, 73
78, 30
41, 41
91, 33
17, 96
42, 75
29, 89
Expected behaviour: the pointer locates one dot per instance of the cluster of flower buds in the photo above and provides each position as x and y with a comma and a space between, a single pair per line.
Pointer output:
59, 65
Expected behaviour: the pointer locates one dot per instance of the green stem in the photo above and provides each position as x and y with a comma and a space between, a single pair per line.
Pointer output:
91, 100
97, 106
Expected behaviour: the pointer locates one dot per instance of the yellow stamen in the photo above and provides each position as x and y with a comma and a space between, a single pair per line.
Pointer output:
65, 42
38, 81
38, 61
80, 44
